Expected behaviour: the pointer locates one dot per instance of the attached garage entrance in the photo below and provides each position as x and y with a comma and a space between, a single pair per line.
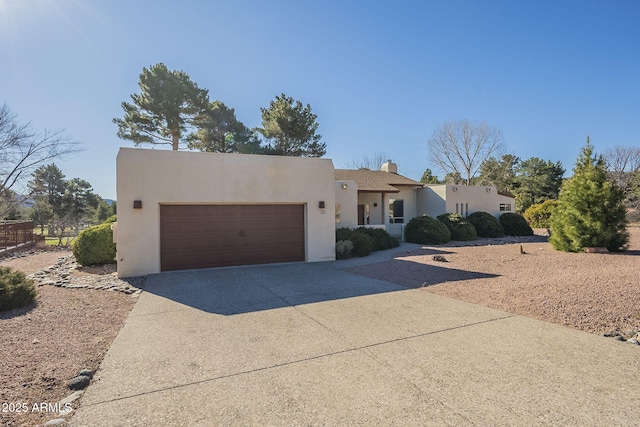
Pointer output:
203, 236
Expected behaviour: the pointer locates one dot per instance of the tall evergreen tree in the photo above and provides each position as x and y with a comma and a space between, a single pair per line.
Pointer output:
167, 105
290, 129
590, 210
219, 131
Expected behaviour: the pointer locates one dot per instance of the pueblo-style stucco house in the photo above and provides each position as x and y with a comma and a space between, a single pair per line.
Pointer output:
388, 200
186, 210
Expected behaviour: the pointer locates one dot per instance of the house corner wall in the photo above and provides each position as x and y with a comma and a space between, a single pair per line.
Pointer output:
347, 204
157, 177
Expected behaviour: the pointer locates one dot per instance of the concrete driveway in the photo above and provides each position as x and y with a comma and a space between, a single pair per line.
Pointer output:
310, 344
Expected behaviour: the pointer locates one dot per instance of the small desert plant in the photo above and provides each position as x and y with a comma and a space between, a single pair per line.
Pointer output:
95, 246
515, 225
343, 249
460, 228
426, 230
381, 239
486, 224
15, 289
539, 215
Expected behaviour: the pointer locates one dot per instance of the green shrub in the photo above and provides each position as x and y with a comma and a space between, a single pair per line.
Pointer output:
95, 246
15, 289
515, 225
486, 224
363, 244
344, 233
460, 228
344, 249
381, 239
426, 230
590, 209
539, 215
112, 218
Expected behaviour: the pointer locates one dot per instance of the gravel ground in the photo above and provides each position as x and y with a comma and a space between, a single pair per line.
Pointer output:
46, 344
596, 293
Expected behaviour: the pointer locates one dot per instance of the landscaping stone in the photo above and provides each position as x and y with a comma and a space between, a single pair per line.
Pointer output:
55, 422
86, 373
79, 383
60, 275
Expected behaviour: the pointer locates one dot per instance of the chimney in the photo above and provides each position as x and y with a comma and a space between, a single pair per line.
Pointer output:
389, 166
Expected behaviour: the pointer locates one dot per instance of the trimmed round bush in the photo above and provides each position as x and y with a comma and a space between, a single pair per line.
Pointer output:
426, 230
486, 224
95, 246
15, 289
381, 238
515, 225
363, 244
460, 228
539, 215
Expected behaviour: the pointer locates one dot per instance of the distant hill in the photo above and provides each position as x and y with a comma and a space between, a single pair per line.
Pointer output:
109, 201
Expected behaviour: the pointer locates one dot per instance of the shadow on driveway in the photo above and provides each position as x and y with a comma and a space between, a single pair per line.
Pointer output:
235, 290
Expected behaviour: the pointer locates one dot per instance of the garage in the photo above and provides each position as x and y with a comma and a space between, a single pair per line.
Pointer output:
218, 235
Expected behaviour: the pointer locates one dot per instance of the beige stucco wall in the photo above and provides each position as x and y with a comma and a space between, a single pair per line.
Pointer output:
347, 198
162, 176
431, 200
434, 198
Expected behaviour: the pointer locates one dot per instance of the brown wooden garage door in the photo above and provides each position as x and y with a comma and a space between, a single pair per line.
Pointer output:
202, 236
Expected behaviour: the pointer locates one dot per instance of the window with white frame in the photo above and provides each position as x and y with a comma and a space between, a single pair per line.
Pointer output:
505, 207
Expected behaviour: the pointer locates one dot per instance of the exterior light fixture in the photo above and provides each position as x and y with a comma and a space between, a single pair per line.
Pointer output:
344, 186
488, 190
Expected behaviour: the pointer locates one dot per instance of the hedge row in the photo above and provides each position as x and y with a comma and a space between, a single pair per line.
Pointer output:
362, 241
427, 230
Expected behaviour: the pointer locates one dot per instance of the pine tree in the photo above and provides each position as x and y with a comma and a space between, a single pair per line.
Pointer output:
590, 211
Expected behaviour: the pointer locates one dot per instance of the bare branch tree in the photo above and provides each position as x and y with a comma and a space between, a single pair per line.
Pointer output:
623, 168
22, 150
461, 146
372, 162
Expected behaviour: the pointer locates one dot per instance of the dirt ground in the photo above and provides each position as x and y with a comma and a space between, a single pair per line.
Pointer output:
46, 344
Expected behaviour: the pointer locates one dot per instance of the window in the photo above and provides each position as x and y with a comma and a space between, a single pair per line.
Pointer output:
396, 211
337, 213
457, 211
505, 207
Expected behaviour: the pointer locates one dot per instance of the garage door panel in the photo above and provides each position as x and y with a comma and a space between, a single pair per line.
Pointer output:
201, 236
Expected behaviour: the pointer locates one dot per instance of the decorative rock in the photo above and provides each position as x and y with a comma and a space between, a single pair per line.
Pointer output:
55, 422
596, 250
71, 398
86, 373
633, 341
79, 383
439, 258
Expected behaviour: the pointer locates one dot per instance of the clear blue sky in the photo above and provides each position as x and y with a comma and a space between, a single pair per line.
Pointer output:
379, 75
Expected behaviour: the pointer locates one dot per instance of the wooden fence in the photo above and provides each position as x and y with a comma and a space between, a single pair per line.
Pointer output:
15, 233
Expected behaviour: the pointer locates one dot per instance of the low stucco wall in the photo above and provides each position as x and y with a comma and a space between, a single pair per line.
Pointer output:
160, 176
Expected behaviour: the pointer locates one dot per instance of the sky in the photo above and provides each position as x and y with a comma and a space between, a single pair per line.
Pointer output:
381, 76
